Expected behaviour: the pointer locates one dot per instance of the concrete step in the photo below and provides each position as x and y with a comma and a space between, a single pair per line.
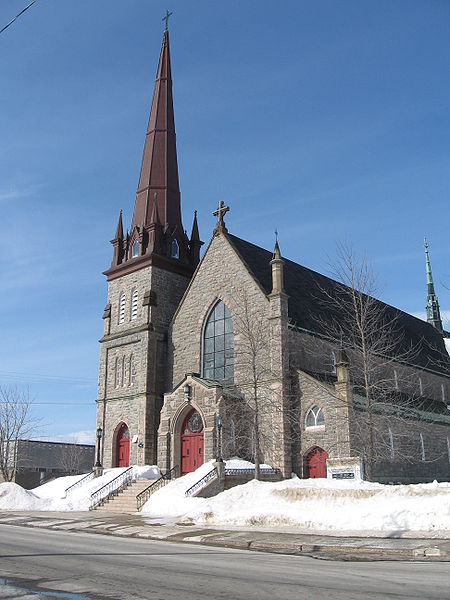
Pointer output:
125, 501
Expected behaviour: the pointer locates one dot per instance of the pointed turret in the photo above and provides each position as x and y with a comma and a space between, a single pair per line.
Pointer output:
117, 243
195, 243
277, 269
433, 312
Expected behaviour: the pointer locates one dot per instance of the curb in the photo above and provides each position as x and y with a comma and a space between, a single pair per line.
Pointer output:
339, 551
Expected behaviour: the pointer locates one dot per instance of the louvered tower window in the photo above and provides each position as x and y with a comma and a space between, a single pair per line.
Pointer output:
134, 305
122, 308
218, 344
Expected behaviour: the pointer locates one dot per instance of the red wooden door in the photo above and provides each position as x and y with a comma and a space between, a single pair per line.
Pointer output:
191, 442
315, 463
123, 446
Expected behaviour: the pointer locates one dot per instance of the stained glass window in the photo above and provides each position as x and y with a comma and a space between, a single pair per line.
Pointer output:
218, 344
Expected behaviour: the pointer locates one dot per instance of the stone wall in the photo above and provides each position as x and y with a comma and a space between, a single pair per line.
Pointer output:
133, 372
222, 275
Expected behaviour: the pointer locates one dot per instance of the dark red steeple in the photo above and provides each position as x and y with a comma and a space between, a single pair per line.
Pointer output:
156, 226
159, 169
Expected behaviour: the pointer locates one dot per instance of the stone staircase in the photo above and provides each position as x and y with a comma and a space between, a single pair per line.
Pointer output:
125, 501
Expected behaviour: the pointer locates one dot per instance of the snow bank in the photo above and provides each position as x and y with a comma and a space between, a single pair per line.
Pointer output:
309, 505
52, 497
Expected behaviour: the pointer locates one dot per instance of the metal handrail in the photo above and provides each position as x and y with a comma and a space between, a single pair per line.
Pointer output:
80, 482
264, 471
112, 488
143, 496
201, 483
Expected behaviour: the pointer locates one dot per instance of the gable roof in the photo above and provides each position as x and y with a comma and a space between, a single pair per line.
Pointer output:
304, 288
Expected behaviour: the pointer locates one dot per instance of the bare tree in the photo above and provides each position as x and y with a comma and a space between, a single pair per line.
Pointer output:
372, 336
72, 460
16, 422
259, 402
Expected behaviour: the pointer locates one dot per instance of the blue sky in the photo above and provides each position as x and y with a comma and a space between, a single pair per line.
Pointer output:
325, 119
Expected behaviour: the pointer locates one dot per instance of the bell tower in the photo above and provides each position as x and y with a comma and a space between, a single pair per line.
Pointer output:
151, 267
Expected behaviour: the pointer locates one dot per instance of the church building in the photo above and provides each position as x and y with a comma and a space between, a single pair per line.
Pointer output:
236, 353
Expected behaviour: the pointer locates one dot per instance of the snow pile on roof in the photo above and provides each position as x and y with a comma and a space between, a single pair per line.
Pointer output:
52, 495
309, 505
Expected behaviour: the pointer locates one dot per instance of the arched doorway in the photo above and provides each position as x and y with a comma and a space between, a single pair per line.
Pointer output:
315, 463
123, 446
191, 442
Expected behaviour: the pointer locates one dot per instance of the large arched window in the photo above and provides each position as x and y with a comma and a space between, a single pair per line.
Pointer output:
122, 308
314, 417
134, 305
218, 344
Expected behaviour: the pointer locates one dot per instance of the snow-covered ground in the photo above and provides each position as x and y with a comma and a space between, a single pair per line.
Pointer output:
308, 504
303, 504
52, 497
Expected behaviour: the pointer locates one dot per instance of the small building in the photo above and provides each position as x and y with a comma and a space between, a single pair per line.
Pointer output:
38, 460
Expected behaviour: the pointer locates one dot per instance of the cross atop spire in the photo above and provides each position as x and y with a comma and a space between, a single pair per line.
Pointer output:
433, 312
166, 19
220, 212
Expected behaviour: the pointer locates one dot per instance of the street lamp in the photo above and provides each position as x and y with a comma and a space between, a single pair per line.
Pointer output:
219, 438
99, 437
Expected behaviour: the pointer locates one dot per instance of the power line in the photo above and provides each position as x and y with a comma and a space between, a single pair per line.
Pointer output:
17, 16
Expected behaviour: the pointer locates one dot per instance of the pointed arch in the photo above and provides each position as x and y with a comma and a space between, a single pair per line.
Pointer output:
218, 344
314, 417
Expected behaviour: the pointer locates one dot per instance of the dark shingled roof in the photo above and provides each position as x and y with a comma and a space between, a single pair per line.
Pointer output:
304, 287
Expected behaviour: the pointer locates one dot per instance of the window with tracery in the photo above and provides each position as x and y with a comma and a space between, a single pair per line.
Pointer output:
218, 344
135, 249
314, 417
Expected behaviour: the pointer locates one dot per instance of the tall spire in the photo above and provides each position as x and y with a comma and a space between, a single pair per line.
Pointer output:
433, 312
159, 168
157, 235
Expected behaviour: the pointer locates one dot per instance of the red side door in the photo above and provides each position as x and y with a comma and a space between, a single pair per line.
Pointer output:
316, 463
123, 447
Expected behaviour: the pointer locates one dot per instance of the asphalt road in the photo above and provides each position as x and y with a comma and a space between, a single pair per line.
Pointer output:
98, 567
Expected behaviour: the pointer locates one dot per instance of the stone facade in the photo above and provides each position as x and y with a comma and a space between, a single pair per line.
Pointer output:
133, 359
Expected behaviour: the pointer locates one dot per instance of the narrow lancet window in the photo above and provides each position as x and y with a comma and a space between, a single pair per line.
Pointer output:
175, 250
131, 373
